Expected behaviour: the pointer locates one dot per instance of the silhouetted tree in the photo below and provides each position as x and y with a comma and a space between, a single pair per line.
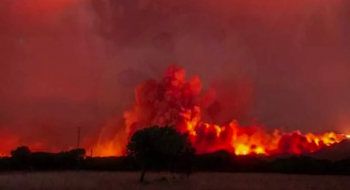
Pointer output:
158, 144
21, 157
22, 152
77, 154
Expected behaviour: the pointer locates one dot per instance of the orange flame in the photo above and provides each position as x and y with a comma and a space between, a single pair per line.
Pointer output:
176, 102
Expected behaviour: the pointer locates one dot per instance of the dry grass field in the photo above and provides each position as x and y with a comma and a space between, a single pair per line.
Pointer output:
199, 181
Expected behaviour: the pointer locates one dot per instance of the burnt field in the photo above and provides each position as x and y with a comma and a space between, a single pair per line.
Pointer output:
200, 181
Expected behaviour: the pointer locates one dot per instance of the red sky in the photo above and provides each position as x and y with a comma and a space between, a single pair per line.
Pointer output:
58, 73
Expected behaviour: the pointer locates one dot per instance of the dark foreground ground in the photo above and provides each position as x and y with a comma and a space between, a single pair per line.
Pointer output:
200, 181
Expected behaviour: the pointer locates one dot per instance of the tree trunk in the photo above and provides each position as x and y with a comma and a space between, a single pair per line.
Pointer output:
143, 172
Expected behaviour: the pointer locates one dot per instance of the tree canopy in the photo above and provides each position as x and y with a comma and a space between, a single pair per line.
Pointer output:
158, 144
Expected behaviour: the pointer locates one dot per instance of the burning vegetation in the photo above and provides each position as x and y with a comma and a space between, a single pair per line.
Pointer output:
178, 102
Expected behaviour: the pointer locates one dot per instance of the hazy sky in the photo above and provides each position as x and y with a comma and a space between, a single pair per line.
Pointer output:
57, 72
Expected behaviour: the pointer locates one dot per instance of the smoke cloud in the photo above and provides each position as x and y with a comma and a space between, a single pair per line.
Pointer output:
69, 64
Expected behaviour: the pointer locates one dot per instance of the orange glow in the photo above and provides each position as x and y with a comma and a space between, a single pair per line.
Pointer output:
260, 150
107, 149
112, 146
176, 102
9, 142
242, 149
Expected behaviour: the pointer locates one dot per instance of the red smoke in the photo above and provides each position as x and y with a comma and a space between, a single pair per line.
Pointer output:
175, 101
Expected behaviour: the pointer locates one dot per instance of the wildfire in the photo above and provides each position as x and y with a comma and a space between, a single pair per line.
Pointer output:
174, 101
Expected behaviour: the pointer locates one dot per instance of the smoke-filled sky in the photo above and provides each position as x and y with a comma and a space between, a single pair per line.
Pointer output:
74, 63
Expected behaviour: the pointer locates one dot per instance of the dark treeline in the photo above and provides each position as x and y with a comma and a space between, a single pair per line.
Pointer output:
220, 161
24, 160
223, 161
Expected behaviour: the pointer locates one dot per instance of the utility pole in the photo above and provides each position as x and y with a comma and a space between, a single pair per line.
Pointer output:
78, 138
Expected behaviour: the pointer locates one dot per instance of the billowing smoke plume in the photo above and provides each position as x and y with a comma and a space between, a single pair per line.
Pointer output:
165, 103
75, 63
176, 101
